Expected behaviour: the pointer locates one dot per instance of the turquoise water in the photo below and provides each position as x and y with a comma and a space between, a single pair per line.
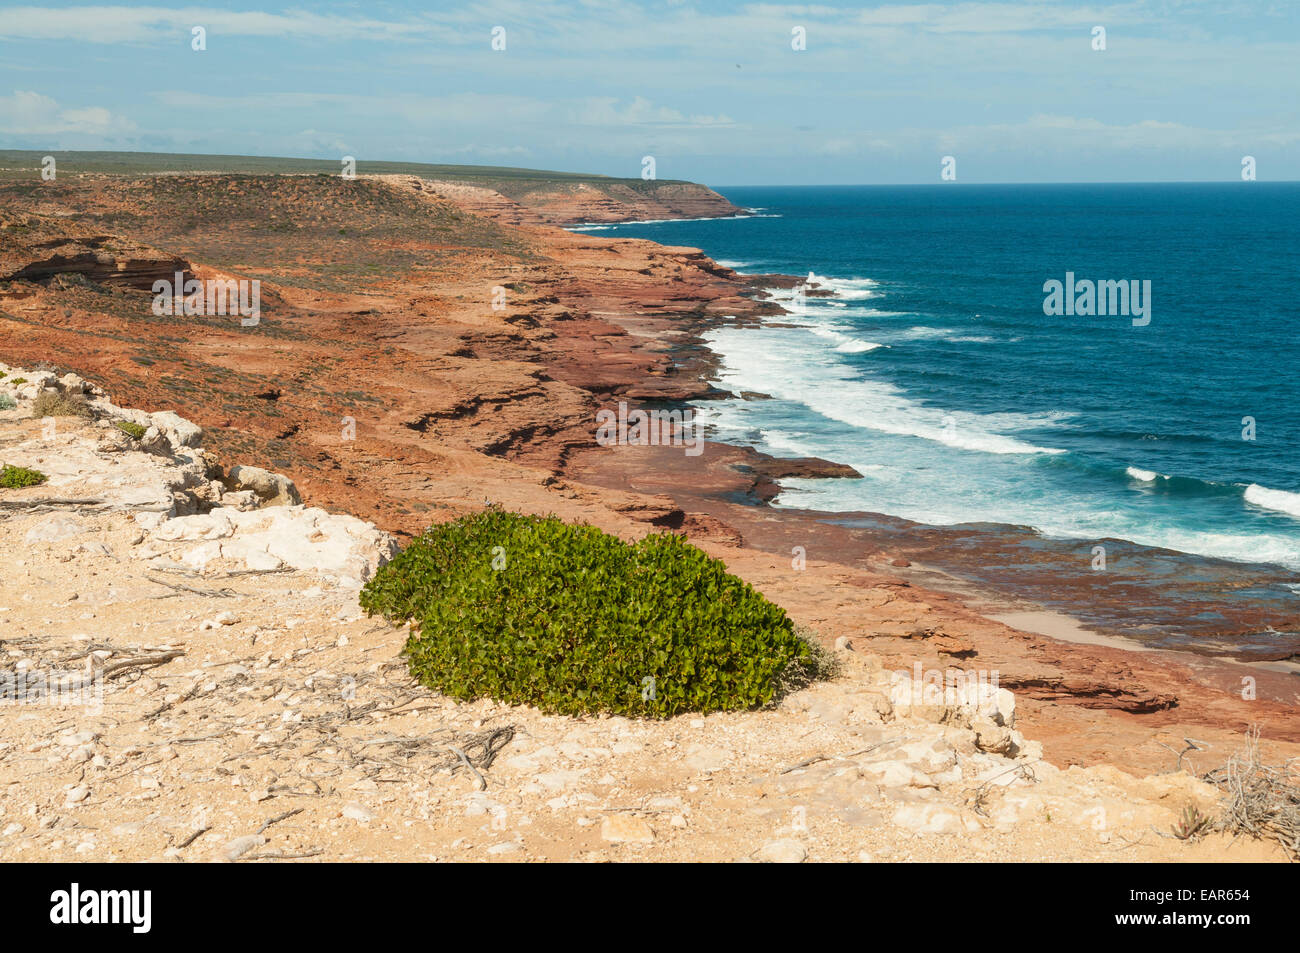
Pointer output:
934, 370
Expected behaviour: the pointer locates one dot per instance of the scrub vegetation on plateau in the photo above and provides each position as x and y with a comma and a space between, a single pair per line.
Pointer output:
533, 610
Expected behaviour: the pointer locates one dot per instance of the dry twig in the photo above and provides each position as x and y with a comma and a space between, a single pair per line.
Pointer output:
1262, 800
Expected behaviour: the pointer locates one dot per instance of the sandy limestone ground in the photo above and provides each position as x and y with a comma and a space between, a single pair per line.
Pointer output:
241, 708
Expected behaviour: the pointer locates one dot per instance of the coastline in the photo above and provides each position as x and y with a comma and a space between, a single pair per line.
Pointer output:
455, 403
1188, 601
327, 719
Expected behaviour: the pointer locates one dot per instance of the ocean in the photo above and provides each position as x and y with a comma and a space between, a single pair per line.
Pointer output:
934, 370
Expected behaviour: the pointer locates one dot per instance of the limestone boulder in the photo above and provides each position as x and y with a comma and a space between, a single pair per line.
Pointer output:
273, 489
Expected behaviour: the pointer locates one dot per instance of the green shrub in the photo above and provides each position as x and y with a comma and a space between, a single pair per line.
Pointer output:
17, 381
135, 431
15, 478
52, 404
7, 402
574, 620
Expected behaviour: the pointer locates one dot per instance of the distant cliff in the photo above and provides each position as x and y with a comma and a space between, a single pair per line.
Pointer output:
600, 201
555, 198
596, 200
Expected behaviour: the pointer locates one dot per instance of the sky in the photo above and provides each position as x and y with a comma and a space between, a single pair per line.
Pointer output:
715, 92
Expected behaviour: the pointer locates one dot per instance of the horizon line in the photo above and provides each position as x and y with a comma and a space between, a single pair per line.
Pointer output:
946, 185
603, 175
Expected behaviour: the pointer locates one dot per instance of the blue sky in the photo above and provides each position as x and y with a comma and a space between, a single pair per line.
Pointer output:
1014, 91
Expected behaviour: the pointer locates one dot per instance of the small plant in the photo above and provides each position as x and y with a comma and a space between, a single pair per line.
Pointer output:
51, 404
1260, 800
7, 402
1191, 824
17, 381
134, 431
15, 478
531, 610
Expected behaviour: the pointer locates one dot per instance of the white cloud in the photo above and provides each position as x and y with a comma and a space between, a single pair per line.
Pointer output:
607, 111
120, 24
28, 113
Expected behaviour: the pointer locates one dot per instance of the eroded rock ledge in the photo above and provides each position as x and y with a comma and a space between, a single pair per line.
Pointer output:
231, 704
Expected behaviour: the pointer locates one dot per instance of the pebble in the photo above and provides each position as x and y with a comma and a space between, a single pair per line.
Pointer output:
358, 812
626, 829
707, 759
929, 819
240, 846
784, 851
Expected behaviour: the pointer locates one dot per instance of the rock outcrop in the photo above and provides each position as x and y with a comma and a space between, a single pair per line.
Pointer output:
188, 514
384, 381
38, 248
190, 667
593, 201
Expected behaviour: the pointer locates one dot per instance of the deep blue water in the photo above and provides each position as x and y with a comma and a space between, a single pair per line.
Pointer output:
935, 371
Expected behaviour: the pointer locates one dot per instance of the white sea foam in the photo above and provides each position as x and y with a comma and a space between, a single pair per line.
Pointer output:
858, 310
951, 335
1280, 500
792, 364
858, 347
1044, 515
844, 343
778, 441
849, 289
1145, 476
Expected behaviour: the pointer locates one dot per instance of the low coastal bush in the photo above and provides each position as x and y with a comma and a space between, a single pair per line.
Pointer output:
531, 610
51, 404
7, 402
135, 431
15, 478
17, 381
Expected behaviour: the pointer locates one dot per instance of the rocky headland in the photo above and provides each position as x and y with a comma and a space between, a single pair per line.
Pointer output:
425, 349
